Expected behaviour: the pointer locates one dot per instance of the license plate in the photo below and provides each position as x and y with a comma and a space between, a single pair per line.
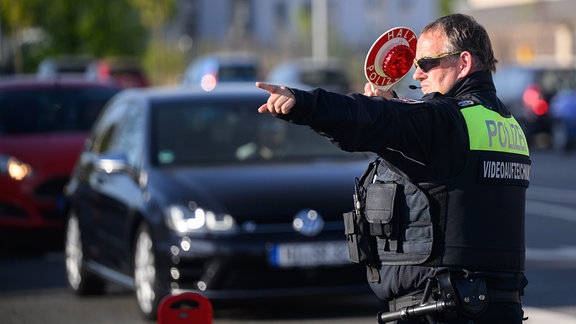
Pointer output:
285, 255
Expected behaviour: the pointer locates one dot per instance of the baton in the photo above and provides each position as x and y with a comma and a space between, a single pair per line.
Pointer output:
415, 311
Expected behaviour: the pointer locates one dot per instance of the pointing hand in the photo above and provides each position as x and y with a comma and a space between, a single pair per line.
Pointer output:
281, 99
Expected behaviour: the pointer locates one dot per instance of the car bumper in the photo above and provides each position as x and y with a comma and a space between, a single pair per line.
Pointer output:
226, 269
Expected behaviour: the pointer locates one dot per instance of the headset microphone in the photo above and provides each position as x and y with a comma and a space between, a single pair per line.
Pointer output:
414, 87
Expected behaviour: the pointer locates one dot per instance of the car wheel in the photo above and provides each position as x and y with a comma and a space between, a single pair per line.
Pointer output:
145, 279
79, 279
560, 140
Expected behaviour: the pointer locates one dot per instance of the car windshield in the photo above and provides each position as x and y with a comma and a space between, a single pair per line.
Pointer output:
237, 73
232, 132
512, 82
319, 78
46, 111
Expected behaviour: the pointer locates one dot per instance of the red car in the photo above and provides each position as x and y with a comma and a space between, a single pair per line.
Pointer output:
43, 126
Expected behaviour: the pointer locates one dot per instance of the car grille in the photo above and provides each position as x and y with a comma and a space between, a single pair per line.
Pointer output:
9, 210
52, 188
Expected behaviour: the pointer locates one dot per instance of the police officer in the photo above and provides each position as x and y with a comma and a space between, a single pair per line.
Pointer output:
448, 192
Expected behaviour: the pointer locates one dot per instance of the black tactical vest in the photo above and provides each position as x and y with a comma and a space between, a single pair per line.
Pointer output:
473, 221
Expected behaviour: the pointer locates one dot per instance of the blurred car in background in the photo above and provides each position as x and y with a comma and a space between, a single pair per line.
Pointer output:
126, 72
212, 69
329, 74
43, 125
527, 91
563, 111
54, 66
191, 190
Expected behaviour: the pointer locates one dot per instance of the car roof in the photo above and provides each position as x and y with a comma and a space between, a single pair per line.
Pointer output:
537, 66
230, 57
314, 63
236, 89
33, 81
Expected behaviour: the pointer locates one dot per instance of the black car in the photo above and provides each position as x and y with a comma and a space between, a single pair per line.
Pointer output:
187, 190
527, 91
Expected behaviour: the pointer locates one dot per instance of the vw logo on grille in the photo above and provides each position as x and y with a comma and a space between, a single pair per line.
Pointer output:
308, 222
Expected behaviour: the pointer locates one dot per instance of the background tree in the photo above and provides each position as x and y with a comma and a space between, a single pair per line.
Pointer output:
90, 27
15, 17
163, 59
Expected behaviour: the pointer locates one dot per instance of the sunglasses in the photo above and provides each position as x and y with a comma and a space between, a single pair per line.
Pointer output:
429, 62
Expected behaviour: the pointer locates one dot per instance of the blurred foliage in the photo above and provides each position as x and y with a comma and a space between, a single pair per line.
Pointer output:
154, 14
446, 7
88, 27
164, 62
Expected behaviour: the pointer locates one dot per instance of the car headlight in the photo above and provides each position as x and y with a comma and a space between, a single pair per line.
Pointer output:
14, 168
184, 219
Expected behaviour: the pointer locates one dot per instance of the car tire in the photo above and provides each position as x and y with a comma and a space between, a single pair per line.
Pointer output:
560, 141
79, 279
145, 273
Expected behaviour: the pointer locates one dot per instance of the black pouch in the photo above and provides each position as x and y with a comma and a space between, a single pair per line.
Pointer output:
352, 237
361, 247
380, 209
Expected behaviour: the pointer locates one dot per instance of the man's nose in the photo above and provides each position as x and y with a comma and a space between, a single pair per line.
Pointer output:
418, 75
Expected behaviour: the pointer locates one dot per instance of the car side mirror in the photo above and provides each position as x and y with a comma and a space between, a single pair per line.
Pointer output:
114, 163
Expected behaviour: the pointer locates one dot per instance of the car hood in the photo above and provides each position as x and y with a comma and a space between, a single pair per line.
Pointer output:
54, 152
262, 192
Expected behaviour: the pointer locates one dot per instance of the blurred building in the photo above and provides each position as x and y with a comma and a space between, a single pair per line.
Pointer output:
528, 31
521, 30
285, 23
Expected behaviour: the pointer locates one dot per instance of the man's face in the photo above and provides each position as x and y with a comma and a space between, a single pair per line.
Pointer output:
439, 78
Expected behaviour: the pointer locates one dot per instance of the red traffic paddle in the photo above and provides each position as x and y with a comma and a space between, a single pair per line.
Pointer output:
390, 57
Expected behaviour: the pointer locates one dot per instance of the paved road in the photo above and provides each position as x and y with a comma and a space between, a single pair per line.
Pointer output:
33, 287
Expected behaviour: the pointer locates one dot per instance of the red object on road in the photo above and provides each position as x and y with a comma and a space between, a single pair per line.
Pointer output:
190, 308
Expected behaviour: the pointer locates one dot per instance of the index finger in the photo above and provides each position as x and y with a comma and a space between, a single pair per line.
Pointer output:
270, 88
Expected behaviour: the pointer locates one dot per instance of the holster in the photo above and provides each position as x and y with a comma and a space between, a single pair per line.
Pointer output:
469, 292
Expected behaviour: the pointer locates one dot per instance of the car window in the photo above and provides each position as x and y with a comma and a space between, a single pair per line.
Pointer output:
43, 111
228, 68
121, 129
130, 136
325, 79
101, 140
511, 83
237, 73
231, 132
553, 81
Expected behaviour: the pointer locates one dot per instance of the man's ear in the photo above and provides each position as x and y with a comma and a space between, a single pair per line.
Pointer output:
466, 63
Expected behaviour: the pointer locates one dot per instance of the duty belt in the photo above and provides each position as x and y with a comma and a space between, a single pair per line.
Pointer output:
493, 295
448, 295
